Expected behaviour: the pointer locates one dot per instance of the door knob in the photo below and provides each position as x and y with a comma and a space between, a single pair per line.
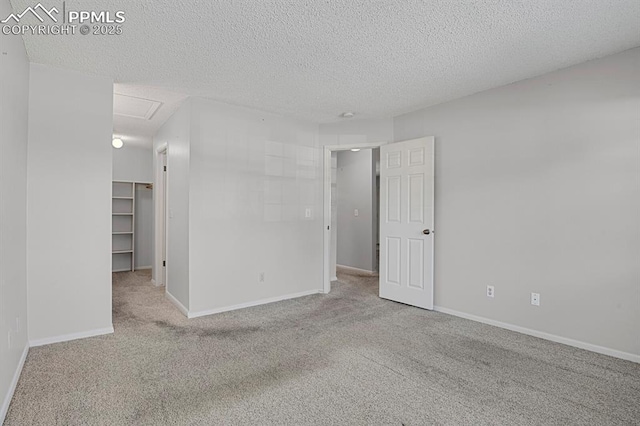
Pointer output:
426, 232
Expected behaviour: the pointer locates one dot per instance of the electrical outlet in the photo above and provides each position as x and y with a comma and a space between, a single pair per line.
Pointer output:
535, 299
490, 291
356, 213
307, 213
261, 277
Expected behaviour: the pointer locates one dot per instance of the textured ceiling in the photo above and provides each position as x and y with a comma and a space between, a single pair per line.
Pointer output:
315, 59
138, 131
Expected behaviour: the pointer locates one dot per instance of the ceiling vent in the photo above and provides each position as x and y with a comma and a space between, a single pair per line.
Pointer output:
130, 106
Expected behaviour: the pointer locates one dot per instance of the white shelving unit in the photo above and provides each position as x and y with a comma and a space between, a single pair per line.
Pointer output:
123, 207
123, 224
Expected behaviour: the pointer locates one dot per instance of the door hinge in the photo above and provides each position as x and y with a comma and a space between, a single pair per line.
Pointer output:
165, 168
164, 263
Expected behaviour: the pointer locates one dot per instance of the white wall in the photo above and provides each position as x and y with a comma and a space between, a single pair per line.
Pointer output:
537, 190
354, 131
253, 176
135, 163
69, 203
356, 190
376, 207
143, 227
14, 96
176, 134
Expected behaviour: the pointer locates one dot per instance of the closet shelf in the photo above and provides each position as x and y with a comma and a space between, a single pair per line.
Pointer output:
123, 199
124, 216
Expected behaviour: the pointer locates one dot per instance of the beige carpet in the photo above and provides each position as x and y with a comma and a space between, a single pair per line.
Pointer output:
348, 358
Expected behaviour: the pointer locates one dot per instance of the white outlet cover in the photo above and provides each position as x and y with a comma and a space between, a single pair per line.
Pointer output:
356, 212
535, 299
491, 291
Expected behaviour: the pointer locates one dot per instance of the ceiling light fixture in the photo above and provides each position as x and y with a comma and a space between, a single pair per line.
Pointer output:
347, 115
355, 149
117, 143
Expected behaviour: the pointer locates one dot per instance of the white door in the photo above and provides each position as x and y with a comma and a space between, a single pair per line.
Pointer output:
406, 222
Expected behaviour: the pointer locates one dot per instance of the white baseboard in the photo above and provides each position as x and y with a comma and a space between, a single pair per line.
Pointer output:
177, 304
333, 279
361, 271
142, 268
250, 304
542, 335
12, 386
72, 336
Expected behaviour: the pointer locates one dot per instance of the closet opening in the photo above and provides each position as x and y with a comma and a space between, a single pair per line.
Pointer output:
132, 231
132, 210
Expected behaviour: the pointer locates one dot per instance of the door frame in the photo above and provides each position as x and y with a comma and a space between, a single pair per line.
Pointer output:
161, 194
326, 224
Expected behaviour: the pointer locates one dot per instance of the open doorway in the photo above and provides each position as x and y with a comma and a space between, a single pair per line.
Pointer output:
140, 156
365, 215
132, 227
406, 218
354, 211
